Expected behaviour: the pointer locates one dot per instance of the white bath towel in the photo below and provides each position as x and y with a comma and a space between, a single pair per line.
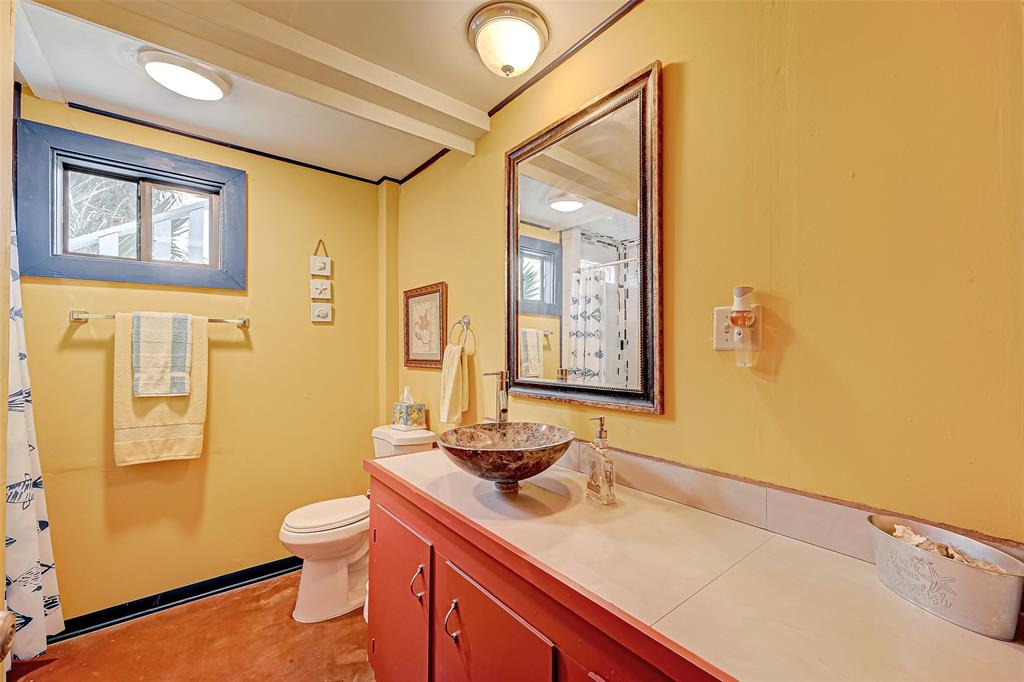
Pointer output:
530, 357
454, 384
161, 354
152, 429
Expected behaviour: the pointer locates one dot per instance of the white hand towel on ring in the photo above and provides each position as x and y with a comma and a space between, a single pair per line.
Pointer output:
454, 384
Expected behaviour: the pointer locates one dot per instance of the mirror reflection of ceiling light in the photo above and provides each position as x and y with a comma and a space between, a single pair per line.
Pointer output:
183, 76
566, 203
508, 36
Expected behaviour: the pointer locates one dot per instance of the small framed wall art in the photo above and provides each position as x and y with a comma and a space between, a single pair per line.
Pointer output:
426, 320
320, 265
320, 288
321, 312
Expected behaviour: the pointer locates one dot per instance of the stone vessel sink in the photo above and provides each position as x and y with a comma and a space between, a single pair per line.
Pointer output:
505, 453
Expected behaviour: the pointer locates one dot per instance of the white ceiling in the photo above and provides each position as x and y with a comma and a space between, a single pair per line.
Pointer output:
594, 217
372, 89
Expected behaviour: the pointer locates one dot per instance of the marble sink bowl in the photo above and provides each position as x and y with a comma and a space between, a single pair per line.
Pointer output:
505, 453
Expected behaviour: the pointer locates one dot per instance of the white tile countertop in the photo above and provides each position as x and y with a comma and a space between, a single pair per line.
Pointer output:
757, 605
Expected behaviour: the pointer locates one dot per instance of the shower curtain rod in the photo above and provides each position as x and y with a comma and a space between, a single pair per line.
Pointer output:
85, 315
609, 264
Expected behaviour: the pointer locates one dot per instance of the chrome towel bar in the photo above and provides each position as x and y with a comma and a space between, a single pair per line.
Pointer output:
85, 315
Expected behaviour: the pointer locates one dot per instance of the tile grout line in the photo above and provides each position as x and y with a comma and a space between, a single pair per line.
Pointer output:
715, 579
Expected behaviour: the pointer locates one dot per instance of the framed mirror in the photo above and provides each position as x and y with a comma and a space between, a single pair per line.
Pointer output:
583, 299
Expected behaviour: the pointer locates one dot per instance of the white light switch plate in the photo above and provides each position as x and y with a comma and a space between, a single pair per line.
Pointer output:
722, 339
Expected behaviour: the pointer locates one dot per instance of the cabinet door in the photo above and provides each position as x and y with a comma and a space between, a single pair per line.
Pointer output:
399, 600
480, 639
572, 671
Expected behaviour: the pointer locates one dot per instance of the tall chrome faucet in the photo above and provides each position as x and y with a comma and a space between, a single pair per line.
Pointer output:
500, 396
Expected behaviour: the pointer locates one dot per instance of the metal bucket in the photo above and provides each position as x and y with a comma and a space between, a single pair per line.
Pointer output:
983, 601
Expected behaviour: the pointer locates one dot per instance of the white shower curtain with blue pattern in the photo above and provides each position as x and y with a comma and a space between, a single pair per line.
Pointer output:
32, 594
590, 320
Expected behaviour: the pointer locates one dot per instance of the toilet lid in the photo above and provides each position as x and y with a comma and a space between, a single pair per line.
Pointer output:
328, 514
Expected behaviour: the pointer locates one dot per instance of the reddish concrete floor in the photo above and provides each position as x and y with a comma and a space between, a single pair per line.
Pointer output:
245, 634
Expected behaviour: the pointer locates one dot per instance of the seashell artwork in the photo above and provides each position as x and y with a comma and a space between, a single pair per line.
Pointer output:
320, 265
320, 288
321, 312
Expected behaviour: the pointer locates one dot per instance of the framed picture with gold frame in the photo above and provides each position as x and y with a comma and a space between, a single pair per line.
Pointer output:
426, 320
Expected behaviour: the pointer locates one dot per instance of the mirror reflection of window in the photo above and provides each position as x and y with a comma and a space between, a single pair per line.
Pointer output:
533, 278
540, 263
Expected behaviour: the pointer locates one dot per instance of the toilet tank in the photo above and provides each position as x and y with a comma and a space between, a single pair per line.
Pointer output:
388, 441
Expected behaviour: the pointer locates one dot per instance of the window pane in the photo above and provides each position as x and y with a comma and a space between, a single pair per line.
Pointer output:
181, 225
533, 269
101, 215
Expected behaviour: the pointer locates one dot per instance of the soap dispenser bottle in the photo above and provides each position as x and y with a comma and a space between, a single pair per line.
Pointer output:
600, 467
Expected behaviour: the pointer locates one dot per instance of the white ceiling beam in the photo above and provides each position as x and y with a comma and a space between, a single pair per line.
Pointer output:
244, 20
144, 21
31, 61
616, 183
578, 186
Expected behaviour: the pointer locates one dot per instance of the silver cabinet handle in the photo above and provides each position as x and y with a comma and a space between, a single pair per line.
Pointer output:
453, 635
418, 573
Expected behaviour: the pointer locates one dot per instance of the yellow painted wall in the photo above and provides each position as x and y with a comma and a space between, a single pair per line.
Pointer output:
551, 348
291, 404
860, 165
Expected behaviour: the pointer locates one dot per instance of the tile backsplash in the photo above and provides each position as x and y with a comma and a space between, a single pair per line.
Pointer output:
829, 524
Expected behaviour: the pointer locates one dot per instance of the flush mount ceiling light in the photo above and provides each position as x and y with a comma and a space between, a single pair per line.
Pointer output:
566, 203
508, 37
183, 76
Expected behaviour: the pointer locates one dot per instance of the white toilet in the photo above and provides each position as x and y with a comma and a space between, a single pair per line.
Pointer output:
332, 539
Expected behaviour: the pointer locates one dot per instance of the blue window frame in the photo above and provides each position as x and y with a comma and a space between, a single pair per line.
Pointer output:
152, 218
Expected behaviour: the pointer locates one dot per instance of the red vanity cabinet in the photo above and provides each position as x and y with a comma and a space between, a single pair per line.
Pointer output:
513, 618
479, 638
399, 607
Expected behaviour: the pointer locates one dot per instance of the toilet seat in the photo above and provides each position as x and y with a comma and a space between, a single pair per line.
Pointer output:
328, 515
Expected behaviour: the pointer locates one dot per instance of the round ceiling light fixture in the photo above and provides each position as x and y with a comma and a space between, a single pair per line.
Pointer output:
508, 36
184, 76
566, 203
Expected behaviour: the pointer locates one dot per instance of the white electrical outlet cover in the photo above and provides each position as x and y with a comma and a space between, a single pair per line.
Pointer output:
320, 288
722, 339
321, 312
320, 265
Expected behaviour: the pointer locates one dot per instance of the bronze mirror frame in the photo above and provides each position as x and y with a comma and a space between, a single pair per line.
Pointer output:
645, 87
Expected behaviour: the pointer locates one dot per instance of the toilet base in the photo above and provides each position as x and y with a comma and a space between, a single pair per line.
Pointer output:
324, 589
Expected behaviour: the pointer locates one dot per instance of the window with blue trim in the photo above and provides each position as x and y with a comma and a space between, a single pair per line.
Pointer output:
92, 208
540, 275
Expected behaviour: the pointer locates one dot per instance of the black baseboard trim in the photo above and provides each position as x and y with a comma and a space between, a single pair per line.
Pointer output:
97, 620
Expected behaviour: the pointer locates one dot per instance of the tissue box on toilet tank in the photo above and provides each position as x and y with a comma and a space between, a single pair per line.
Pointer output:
409, 416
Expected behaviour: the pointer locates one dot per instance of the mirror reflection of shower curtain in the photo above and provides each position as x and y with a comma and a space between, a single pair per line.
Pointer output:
588, 321
628, 279
32, 594
602, 350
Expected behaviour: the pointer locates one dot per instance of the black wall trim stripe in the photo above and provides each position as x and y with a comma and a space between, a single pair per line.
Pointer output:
97, 620
415, 171
222, 143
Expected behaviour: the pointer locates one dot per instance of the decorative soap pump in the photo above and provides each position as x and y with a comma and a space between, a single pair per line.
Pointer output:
600, 467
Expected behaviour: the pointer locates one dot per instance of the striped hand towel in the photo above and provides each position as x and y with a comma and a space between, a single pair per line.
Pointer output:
161, 354
151, 429
530, 352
